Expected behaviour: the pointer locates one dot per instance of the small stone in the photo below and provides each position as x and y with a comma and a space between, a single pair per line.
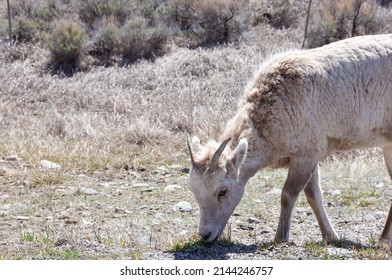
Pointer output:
369, 218
253, 220
46, 164
140, 185
26, 183
89, 191
380, 185
301, 210
175, 166
104, 185
171, 188
118, 210
5, 207
275, 191
339, 251
22, 218
265, 231
245, 227
86, 222
11, 158
142, 207
336, 192
183, 206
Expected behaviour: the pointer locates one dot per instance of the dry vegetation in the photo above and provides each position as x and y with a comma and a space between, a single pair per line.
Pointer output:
176, 66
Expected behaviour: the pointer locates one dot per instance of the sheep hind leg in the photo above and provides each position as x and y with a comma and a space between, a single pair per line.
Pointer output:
314, 197
386, 235
299, 175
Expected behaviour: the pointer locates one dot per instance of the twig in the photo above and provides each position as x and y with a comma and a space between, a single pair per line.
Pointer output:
9, 21
307, 23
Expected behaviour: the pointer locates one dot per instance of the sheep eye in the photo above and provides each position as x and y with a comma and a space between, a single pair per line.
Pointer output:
222, 193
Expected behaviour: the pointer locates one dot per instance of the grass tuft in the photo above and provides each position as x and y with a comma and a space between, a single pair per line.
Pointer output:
66, 46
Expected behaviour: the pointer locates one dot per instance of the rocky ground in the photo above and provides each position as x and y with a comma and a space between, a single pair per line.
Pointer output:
149, 213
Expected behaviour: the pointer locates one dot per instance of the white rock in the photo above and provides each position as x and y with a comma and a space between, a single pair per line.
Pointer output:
253, 220
46, 164
369, 218
275, 191
336, 192
89, 191
301, 210
5, 207
104, 185
22, 218
171, 188
175, 166
140, 185
339, 251
86, 222
183, 206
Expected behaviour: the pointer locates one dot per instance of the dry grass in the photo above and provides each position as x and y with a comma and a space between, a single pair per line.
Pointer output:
123, 114
109, 128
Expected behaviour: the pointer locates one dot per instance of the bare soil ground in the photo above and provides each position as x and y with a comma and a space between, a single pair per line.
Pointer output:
131, 214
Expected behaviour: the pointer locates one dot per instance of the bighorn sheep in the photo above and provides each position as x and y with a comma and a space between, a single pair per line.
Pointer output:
301, 106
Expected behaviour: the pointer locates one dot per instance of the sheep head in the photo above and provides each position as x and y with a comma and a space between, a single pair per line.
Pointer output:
214, 180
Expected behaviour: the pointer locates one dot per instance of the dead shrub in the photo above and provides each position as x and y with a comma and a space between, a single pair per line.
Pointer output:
66, 46
385, 3
23, 8
214, 22
336, 20
139, 40
179, 13
25, 30
106, 42
93, 11
204, 22
283, 14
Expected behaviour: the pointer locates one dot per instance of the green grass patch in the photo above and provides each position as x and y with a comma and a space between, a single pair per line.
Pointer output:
47, 179
186, 244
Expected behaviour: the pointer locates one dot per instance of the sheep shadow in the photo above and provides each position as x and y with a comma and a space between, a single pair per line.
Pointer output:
222, 251
214, 251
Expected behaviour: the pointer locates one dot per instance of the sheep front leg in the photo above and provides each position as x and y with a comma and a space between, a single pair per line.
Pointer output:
299, 175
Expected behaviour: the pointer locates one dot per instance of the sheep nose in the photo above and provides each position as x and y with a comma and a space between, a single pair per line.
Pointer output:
205, 235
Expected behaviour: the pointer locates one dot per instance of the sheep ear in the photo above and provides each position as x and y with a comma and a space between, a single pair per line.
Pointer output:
240, 152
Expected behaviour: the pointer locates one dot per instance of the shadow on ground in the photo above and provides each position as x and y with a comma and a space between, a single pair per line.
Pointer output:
214, 252
341, 249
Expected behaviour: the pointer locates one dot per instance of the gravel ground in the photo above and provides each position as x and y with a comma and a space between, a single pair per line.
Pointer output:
134, 214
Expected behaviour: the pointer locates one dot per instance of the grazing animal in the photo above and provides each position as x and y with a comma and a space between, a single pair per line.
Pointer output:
302, 106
